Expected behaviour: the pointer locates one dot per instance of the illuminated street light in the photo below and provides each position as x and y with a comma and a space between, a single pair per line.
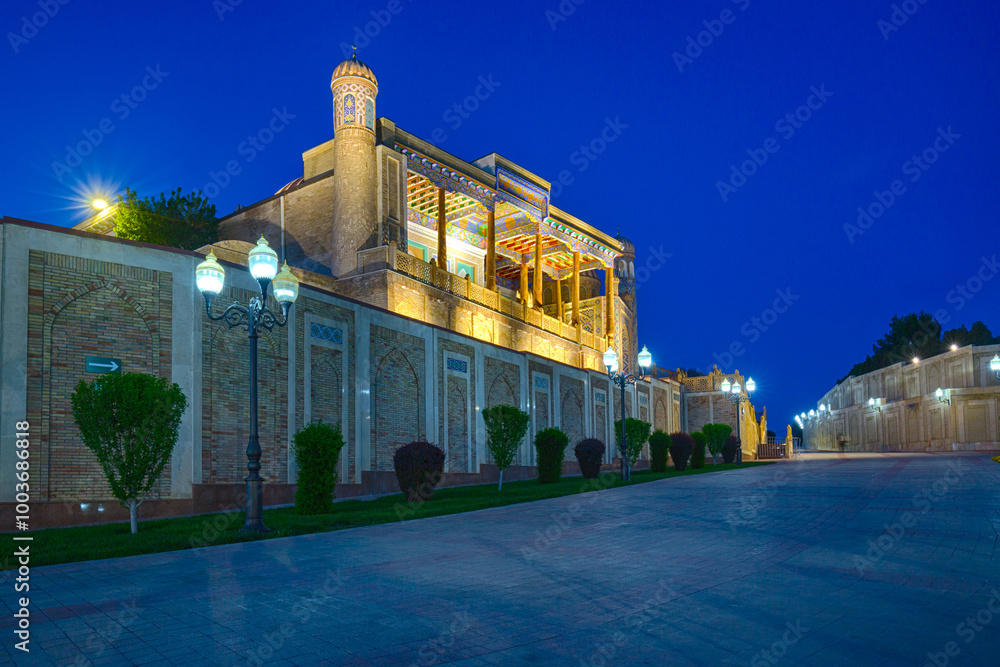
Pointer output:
622, 380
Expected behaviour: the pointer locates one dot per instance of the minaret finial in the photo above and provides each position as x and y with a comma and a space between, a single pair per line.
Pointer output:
354, 55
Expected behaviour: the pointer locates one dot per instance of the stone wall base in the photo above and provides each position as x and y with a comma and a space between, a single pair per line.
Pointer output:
208, 498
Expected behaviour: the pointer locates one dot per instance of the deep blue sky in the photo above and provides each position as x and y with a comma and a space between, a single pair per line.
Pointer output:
781, 230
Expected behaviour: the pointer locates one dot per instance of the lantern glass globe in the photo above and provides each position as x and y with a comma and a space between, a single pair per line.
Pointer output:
725, 386
645, 358
611, 359
286, 285
736, 388
263, 261
209, 276
995, 363
939, 393
751, 386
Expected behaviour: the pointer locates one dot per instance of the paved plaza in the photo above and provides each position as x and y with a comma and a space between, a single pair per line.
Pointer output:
882, 559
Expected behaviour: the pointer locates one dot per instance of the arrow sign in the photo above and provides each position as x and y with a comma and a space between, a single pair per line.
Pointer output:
103, 365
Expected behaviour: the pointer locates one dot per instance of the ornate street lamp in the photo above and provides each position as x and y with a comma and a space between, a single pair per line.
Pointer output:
209, 276
995, 365
734, 394
941, 396
621, 379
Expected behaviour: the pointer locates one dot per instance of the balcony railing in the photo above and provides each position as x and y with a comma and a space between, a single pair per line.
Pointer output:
591, 310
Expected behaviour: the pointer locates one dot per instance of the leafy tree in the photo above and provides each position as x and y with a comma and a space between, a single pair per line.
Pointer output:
979, 334
659, 448
506, 427
636, 432
130, 422
715, 438
694, 372
317, 450
180, 221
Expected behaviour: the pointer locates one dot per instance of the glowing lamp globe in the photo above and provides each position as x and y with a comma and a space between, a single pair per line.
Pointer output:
812, 413
286, 285
611, 359
725, 386
802, 416
751, 386
822, 407
871, 402
645, 358
995, 363
263, 261
209, 276
939, 393
736, 388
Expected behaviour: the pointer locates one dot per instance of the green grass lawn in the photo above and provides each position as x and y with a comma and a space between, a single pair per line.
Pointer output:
81, 543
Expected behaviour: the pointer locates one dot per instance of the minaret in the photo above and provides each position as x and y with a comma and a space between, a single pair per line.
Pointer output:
355, 175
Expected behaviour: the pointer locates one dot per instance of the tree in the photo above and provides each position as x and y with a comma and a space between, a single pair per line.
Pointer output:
180, 221
694, 373
130, 422
636, 432
715, 438
506, 427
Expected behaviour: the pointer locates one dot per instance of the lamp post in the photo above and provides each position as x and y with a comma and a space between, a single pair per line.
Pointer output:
876, 405
995, 365
621, 380
209, 276
734, 394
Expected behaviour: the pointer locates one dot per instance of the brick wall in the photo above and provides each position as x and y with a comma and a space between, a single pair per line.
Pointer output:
571, 410
225, 397
77, 308
398, 395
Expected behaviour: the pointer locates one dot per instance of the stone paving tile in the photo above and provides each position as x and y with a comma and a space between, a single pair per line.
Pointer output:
708, 569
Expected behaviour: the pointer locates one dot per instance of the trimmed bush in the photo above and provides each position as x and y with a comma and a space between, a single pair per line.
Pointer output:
681, 446
589, 454
659, 448
419, 468
698, 454
715, 438
550, 443
730, 449
317, 450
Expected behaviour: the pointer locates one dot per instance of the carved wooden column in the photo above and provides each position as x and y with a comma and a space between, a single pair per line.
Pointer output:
575, 289
609, 303
524, 284
491, 250
537, 281
559, 299
442, 232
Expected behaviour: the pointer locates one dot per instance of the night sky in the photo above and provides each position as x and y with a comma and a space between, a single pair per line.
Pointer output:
684, 114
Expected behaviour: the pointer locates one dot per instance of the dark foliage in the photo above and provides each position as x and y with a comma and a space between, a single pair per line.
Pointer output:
698, 454
551, 446
681, 446
730, 449
659, 448
419, 468
589, 454
317, 451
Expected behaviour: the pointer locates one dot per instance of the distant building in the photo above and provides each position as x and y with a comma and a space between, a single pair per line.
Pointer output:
906, 414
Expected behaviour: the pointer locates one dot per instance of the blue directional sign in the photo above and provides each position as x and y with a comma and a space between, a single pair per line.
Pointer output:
103, 365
